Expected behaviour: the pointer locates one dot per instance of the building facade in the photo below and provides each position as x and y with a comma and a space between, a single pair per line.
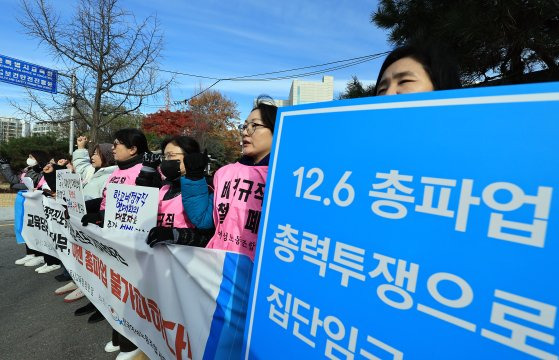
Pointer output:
12, 128
305, 92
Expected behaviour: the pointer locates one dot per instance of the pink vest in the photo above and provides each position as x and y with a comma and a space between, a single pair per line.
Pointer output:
238, 197
171, 212
41, 182
126, 176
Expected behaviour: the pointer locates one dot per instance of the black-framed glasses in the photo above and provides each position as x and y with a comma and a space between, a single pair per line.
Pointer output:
251, 127
116, 143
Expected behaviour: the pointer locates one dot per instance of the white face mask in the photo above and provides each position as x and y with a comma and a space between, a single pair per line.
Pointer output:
31, 162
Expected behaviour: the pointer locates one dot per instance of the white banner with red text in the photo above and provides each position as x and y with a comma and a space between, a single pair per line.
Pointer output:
173, 302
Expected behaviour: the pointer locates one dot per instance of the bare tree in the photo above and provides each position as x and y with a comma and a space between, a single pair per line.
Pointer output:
113, 56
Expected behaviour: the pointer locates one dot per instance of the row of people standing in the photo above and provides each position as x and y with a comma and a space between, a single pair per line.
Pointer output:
208, 211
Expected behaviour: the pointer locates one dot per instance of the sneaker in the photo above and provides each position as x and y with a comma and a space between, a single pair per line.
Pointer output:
63, 277
129, 355
37, 260
111, 348
24, 259
71, 286
95, 317
73, 296
48, 269
44, 266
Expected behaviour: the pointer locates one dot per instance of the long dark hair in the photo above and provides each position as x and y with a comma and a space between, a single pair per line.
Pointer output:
440, 67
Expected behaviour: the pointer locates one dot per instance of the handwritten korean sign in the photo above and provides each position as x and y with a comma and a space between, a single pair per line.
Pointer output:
69, 191
131, 208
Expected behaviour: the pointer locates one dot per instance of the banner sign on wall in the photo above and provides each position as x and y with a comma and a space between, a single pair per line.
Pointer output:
22, 73
429, 230
173, 302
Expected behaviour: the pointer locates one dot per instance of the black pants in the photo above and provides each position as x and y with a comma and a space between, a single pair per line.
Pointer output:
51, 260
125, 344
29, 251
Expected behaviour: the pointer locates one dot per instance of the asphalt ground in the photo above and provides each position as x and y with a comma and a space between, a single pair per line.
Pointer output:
35, 323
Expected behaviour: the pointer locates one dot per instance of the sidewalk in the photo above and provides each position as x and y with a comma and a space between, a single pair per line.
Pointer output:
7, 206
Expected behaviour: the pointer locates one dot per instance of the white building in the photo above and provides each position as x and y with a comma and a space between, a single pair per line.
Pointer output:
47, 128
304, 92
11, 128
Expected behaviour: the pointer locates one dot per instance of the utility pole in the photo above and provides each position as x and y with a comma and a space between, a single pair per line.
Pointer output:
72, 101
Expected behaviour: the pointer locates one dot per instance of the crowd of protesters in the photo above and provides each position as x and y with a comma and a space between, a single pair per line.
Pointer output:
186, 192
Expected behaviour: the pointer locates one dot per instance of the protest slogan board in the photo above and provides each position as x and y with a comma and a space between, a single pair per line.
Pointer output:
18, 72
420, 226
173, 302
131, 208
69, 191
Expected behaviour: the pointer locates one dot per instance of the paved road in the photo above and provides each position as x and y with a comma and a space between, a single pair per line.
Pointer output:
35, 323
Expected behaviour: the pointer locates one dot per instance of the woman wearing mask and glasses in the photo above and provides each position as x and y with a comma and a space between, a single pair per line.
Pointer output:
173, 225
236, 204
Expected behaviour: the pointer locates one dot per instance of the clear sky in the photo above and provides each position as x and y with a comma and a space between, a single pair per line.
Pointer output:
230, 38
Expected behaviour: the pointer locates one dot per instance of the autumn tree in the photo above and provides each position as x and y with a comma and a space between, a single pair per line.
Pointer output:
113, 56
168, 123
213, 115
489, 39
214, 118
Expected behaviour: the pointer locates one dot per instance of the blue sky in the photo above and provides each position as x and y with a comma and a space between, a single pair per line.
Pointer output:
230, 38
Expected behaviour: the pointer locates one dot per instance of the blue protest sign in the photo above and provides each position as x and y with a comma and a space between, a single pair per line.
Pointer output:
421, 226
18, 72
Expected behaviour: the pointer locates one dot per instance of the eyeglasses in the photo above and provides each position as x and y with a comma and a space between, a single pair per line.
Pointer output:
170, 155
116, 143
251, 127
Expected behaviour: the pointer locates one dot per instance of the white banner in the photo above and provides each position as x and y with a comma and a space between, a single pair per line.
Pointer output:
174, 302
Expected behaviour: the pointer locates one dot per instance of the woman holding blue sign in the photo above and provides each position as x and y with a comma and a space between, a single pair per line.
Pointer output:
236, 204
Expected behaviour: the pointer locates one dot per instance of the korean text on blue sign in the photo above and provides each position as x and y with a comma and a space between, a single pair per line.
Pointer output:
18, 72
419, 226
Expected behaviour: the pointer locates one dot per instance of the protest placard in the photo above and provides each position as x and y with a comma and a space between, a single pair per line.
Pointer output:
69, 191
131, 208
428, 231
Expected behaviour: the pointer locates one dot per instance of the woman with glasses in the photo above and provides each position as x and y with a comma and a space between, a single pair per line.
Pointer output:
173, 225
236, 204
129, 148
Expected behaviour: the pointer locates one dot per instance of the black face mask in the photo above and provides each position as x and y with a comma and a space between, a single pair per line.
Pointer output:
171, 169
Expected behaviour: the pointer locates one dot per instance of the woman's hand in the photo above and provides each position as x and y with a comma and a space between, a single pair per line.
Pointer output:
82, 142
48, 168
